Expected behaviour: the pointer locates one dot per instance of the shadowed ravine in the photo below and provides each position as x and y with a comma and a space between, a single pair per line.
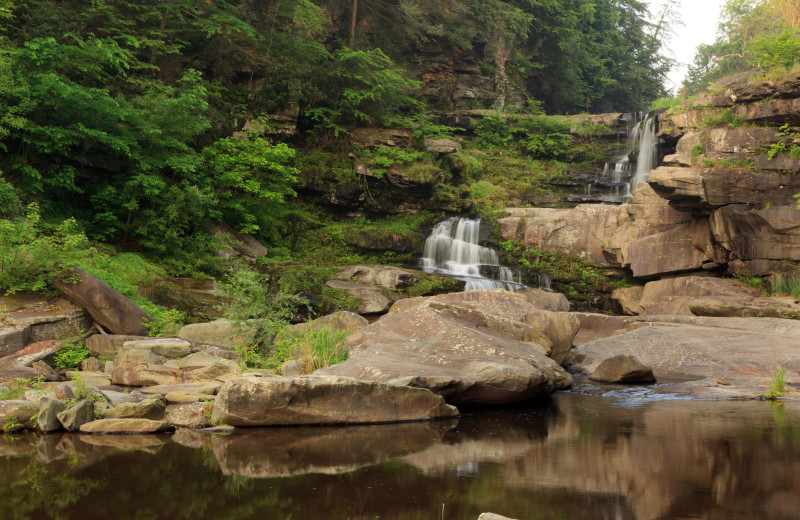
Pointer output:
575, 456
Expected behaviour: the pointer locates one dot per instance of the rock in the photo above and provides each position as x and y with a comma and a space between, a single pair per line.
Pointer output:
679, 249
77, 415
13, 339
701, 350
495, 349
207, 388
343, 320
46, 369
220, 429
622, 369
372, 300
596, 326
712, 188
201, 367
735, 307
184, 397
92, 378
147, 409
629, 298
440, 146
103, 343
194, 296
223, 333
118, 398
772, 234
675, 296
34, 395
224, 354
64, 392
17, 415
126, 426
546, 300
371, 137
192, 415
91, 364
171, 348
293, 367
142, 368
579, 231
49, 321
109, 308
48, 414
237, 244
27, 356
12, 374
492, 516
254, 400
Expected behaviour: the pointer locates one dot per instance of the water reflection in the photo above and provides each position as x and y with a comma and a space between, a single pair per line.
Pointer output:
578, 456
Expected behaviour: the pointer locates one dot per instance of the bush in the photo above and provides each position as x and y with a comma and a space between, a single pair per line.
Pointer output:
314, 348
29, 258
779, 50
71, 355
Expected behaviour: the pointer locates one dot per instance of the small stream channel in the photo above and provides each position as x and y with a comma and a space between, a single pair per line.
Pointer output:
617, 456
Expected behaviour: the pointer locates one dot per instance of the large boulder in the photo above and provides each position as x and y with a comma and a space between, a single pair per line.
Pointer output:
222, 333
623, 369
202, 367
192, 415
13, 339
371, 299
142, 368
146, 409
48, 414
257, 400
105, 305
700, 351
77, 415
477, 347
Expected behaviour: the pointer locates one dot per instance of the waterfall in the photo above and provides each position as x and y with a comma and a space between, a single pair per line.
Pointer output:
452, 250
644, 135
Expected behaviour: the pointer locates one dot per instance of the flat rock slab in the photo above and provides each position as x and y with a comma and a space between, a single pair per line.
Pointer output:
126, 426
93, 378
743, 351
189, 388
185, 397
477, 347
171, 348
255, 400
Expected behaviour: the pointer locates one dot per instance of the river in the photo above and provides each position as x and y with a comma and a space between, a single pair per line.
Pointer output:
591, 453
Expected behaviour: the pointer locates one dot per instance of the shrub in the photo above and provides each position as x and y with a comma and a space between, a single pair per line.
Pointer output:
314, 348
778, 384
71, 355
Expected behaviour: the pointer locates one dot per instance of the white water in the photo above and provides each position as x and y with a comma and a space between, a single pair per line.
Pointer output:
644, 135
453, 250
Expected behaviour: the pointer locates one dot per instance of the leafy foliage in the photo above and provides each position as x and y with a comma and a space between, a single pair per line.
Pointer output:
71, 355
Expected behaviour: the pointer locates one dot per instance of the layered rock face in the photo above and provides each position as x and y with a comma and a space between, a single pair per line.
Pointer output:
723, 205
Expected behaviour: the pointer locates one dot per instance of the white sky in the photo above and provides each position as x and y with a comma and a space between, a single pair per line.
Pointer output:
700, 19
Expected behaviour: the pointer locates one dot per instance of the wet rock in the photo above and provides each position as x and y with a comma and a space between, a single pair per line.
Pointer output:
76, 415
220, 429
109, 308
147, 409
170, 348
477, 347
126, 426
17, 415
254, 400
492, 516
48, 414
192, 415
623, 369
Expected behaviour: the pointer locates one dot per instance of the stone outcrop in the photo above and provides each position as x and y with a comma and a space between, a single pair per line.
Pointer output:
623, 369
478, 347
106, 306
699, 351
237, 245
256, 400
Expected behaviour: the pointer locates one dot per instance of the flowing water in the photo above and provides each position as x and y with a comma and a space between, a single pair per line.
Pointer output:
452, 250
621, 175
625, 455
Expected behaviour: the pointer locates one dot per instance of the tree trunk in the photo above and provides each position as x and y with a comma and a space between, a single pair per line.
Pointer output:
353, 18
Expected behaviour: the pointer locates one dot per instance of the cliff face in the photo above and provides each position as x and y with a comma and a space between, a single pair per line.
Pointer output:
723, 204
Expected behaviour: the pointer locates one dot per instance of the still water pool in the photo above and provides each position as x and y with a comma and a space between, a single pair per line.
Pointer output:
577, 456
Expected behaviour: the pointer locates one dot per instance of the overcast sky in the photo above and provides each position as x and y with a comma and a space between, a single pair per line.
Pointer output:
700, 19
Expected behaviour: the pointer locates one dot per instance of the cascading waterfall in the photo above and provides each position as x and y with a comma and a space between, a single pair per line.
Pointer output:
452, 250
645, 135
620, 176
